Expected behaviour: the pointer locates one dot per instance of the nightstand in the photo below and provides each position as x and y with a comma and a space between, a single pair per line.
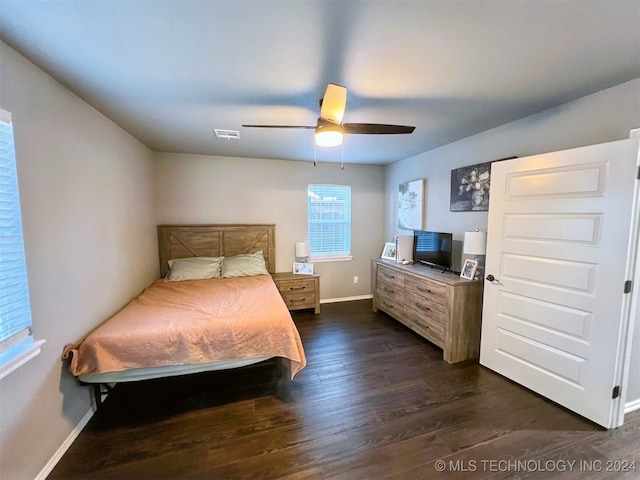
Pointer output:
299, 291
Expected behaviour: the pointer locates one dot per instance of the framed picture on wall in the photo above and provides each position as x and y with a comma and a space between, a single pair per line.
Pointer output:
470, 187
411, 205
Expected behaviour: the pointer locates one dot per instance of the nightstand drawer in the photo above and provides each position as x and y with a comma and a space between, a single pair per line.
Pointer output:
299, 299
297, 286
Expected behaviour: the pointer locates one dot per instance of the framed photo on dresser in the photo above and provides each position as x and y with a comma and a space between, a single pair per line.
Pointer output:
389, 251
469, 269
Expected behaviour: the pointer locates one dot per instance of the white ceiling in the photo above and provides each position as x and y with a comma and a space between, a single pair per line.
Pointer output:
169, 72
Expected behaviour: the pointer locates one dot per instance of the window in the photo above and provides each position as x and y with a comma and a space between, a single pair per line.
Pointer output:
329, 221
17, 345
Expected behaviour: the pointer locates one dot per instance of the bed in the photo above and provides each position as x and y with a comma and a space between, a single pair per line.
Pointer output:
215, 307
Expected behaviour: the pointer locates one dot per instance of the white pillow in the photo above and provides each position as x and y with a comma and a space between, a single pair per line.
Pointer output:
193, 268
244, 264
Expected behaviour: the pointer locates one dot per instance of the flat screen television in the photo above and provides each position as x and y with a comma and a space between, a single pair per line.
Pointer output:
432, 248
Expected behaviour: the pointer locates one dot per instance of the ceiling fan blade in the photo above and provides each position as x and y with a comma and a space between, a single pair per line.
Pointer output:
280, 126
376, 128
333, 103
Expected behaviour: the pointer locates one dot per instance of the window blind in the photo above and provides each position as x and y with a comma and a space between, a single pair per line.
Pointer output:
329, 220
15, 311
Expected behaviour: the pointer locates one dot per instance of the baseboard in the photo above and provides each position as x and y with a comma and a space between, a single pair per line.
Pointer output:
631, 406
346, 299
53, 461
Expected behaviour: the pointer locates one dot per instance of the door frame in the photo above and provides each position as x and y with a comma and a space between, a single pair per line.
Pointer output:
632, 307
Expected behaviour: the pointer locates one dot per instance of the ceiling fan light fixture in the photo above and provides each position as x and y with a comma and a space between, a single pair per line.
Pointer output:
329, 135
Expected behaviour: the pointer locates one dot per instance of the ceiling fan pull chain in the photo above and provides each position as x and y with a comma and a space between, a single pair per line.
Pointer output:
315, 154
342, 156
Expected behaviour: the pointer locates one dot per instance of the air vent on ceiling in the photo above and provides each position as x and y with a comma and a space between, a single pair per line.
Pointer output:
228, 134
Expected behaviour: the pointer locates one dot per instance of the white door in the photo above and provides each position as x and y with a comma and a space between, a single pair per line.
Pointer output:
556, 315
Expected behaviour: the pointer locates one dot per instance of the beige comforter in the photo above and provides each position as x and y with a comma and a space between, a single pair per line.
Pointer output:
193, 321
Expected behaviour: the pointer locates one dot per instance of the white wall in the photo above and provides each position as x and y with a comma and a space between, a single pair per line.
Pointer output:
602, 117
86, 189
209, 189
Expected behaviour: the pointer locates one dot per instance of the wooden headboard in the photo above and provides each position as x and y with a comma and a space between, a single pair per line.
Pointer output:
181, 241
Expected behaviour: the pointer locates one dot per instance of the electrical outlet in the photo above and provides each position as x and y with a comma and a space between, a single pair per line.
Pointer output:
355, 279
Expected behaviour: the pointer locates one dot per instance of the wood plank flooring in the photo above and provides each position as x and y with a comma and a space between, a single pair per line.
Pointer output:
374, 402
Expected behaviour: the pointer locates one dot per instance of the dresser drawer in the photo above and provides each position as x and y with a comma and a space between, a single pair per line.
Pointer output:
422, 328
390, 278
427, 289
390, 290
388, 304
426, 306
425, 321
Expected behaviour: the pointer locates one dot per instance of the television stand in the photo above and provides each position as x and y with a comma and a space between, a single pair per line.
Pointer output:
439, 306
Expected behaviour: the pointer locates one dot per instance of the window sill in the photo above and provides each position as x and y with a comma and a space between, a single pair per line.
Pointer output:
341, 258
18, 355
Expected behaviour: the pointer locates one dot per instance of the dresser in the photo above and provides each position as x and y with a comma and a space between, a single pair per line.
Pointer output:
441, 307
299, 291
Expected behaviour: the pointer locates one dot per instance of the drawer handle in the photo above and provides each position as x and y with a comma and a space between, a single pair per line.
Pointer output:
298, 301
387, 304
422, 307
422, 289
388, 290
389, 276
296, 288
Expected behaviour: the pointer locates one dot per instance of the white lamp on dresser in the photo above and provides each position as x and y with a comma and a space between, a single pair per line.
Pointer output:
475, 243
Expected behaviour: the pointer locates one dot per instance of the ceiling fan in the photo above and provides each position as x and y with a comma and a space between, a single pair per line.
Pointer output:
329, 129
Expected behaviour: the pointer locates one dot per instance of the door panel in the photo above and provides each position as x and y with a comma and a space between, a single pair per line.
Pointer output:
557, 243
553, 228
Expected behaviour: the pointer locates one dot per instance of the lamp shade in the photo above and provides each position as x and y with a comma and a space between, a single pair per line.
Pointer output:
302, 249
475, 243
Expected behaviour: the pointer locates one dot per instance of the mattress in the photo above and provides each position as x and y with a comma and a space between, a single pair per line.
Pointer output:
190, 326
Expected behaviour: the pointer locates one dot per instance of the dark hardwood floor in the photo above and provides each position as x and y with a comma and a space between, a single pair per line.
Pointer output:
374, 402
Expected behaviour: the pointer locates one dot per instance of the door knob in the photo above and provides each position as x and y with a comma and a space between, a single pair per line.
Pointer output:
491, 278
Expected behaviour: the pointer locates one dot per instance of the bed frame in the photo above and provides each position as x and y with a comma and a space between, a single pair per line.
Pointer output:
182, 241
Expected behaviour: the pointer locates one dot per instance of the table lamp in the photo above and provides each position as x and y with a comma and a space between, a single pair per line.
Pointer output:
475, 243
